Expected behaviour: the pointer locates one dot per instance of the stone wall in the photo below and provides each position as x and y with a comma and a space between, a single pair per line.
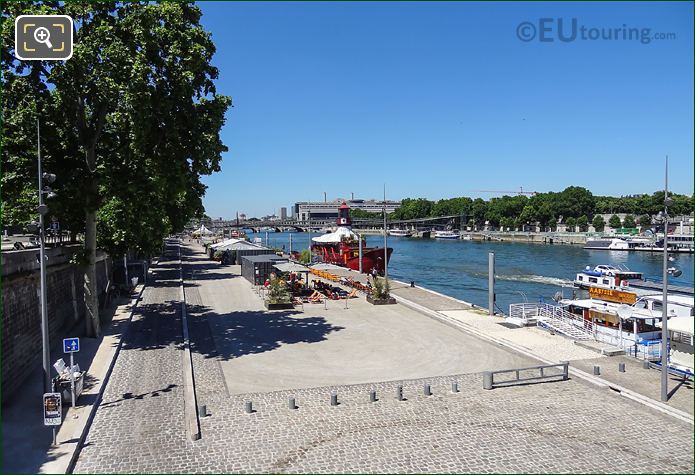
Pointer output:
21, 309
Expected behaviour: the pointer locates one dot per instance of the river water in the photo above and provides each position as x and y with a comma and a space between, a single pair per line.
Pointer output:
525, 272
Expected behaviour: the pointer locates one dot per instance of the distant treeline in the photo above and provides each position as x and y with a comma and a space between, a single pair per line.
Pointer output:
574, 206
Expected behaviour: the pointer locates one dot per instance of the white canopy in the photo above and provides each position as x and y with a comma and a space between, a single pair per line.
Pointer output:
202, 230
680, 324
225, 243
290, 267
340, 234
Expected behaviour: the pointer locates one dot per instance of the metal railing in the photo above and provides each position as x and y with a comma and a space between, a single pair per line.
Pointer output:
545, 311
490, 383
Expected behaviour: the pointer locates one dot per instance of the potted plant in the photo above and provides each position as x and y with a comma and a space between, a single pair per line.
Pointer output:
381, 293
278, 296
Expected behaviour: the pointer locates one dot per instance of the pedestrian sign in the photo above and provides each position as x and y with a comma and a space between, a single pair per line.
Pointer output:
71, 345
52, 409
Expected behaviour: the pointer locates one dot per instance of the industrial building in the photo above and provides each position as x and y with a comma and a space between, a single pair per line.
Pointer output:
321, 210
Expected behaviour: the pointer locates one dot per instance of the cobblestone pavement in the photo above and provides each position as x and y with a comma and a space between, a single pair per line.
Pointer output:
140, 418
558, 427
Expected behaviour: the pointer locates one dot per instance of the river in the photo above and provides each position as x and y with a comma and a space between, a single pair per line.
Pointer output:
525, 272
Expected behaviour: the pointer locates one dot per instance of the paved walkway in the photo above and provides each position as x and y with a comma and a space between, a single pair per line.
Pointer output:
236, 347
140, 420
26, 442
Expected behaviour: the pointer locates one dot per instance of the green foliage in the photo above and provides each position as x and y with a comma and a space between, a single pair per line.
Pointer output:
129, 124
614, 222
357, 213
381, 288
305, 256
571, 223
645, 221
629, 221
277, 292
583, 223
598, 222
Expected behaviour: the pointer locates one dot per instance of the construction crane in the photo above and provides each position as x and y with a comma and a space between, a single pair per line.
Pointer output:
519, 192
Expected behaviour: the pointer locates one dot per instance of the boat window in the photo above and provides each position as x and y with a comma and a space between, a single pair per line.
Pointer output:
656, 306
640, 304
581, 278
605, 281
593, 280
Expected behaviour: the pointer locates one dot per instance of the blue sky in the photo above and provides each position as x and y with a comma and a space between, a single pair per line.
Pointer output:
441, 99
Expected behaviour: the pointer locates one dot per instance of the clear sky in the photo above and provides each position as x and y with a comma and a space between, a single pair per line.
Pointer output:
441, 99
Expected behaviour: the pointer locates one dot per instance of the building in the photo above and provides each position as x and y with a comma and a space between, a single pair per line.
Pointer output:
283, 213
326, 210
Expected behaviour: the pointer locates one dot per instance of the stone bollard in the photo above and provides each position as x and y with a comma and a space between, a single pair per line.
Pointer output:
597, 370
248, 407
399, 393
291, 403
645, 364
372, 396
621, 367
334, 399
427, 390
454, 387
202, 410
487, 380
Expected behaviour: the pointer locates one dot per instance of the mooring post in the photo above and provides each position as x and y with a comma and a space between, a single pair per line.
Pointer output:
491, 283
249, 407
334, 399
597, 370
291, 403
399, 393
427, 390
372, 396
454, 387
621, 367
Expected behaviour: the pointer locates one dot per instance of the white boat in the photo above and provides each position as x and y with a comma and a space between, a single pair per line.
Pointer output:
614, 278
448, 234
400, 232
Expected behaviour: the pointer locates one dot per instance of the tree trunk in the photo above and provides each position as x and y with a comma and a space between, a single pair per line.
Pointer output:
91, 299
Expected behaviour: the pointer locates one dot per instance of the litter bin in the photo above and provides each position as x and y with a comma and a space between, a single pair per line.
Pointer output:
64, 387
134, 281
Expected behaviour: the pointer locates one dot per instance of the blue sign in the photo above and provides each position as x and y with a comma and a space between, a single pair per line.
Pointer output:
71, 345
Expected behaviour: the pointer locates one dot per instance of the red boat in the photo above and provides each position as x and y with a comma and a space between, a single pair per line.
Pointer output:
341, 247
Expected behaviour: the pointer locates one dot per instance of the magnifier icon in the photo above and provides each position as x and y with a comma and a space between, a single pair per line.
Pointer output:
42, 35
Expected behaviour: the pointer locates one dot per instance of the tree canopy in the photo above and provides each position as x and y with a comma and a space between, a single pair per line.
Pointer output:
129, 125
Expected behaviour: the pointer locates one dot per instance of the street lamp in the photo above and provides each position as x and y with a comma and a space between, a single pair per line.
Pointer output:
663, 216
43, 209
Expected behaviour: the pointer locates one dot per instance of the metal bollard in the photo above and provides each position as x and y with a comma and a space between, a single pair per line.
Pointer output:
334, 399
487, 380
202, 410
372, 396
427, 390
291, 403
597, 370
454, 387
621, 367
645, 364
399, 393
249, 407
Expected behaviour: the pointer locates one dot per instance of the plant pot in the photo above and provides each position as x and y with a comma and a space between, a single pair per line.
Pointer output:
386, 301
278, 306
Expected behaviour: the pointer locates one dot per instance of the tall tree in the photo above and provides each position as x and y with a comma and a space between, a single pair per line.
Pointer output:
614, 222
598, 222
135, 116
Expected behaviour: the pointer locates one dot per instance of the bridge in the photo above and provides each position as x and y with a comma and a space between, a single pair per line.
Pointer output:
316, 224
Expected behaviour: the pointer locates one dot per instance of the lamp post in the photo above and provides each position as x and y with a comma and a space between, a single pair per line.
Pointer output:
664, 308
43, 209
